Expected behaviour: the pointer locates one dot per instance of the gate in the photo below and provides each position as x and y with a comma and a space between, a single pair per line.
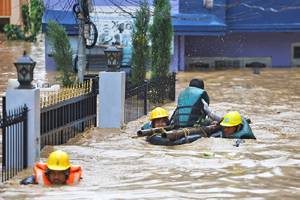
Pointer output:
67, 112
140, 99
13, 127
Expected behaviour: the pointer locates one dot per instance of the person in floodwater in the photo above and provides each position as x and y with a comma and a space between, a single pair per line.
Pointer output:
234, 126
189, 110
57, 171
159, 117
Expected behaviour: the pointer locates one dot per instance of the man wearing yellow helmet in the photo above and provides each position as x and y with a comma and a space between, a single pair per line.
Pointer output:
159, 117
57, 171
235, 126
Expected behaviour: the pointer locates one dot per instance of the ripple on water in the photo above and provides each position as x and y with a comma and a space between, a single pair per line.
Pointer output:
115, 166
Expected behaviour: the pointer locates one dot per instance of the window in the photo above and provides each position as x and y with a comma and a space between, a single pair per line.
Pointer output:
209, 4
296, 52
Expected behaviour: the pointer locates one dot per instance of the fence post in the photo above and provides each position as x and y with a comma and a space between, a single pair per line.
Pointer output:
173, 87
25, 145
3, 139
145, 96
31, 98
111, 99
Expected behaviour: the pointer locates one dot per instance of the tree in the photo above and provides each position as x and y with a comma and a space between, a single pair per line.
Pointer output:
25, 17
140, 53
36, 14
62, 52
32, 20
161, 37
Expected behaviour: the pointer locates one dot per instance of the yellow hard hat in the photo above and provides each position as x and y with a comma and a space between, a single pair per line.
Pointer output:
158, 113
232, 119
58, 160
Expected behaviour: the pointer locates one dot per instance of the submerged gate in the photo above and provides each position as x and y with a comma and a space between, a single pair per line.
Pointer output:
67, 112
13, 126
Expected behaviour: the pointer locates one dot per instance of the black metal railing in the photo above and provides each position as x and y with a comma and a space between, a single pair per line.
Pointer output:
95, 81
14, 140
140, 99
62, 121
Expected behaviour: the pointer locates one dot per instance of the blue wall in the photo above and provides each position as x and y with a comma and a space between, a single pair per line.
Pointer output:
253, 28
263, 15
196, 7
245, 15
274, 45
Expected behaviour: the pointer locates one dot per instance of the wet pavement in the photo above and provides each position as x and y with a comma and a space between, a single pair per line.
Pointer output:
116, 166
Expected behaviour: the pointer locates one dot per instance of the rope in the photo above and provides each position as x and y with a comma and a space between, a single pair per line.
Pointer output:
203, 131
186, 134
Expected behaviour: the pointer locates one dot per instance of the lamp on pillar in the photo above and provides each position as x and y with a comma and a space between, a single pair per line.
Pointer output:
113, 58
25, 66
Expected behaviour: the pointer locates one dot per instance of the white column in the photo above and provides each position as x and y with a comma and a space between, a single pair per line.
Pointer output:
111, 99
182, 53
31, 97
15, 17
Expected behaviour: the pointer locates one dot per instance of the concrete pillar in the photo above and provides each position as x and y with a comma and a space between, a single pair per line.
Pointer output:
15, 17
175, 64
31, 97
111, 99
182, 53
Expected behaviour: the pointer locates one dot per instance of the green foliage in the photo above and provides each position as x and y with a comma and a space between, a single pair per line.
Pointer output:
13, 32
36, 14
32, 20
140, 53
25, 17
161, 36
62, 52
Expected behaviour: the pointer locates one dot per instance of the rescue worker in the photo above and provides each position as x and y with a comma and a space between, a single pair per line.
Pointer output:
57, 171
234, 126
159, 117
190, 109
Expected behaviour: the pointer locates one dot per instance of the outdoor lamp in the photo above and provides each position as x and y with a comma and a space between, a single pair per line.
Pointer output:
113, 58
25, 66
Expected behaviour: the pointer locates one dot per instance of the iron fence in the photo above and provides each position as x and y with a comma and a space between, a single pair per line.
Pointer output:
64, 119
140, 99
14, 140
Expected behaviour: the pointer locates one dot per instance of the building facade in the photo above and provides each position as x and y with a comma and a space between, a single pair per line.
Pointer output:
234, 33
207, 33
10, 12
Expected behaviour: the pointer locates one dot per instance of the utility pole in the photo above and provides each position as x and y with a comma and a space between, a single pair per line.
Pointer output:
82, 43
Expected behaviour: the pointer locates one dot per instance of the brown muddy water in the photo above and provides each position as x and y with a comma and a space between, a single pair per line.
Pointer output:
10, 51
116, 166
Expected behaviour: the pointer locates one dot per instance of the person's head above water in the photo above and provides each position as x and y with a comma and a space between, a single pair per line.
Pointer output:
58, 167
231, 123
159, 117
199, 83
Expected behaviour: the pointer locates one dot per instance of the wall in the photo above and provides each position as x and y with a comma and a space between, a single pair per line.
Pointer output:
5, 8
274, 45
262, 15
196, 7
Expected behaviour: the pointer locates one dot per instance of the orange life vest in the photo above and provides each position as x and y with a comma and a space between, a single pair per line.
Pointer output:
41, 178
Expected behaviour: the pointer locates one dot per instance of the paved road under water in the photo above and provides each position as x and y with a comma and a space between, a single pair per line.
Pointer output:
117, 166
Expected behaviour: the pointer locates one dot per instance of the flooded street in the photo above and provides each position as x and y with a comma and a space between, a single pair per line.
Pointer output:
116, 166
10, 51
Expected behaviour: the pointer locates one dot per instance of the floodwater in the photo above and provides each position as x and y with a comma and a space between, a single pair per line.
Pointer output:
117, 166
10, 51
